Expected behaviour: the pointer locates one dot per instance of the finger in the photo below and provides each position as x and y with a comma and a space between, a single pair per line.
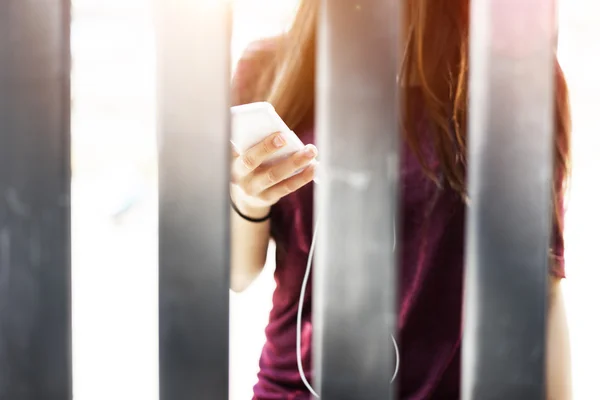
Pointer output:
251, 159
289, 185
284, 169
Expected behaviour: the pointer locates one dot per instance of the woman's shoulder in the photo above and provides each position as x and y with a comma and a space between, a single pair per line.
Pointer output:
261, 47
255, 59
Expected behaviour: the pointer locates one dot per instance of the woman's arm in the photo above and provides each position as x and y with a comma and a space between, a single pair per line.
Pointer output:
558, 351
254, 190
249, 243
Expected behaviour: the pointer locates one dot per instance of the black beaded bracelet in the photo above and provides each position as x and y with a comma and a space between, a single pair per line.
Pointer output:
247, 218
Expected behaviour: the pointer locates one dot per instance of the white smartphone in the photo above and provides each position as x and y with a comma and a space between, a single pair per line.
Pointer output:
254, 122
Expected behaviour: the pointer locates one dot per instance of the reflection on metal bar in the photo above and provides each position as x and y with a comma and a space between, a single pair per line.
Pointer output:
193, 80
510, 178
357, 134
35, 268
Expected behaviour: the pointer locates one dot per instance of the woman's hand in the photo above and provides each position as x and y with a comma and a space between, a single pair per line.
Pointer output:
255, 187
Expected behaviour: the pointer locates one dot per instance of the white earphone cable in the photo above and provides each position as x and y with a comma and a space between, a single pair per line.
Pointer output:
299, 316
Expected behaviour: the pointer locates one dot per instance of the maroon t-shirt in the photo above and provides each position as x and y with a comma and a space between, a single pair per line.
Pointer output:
431, 284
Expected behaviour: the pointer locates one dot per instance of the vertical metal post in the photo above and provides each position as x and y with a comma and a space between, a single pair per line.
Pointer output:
193, 81
510, 180
357, 134
35, 269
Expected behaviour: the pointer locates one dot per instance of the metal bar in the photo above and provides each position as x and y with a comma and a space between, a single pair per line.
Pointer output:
357, 134
193, 80
35, 265
510, 179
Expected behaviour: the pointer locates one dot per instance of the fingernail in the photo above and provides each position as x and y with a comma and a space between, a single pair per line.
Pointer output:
310, 151
278, 141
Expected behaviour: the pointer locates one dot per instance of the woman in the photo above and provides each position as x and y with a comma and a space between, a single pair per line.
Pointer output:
270, 202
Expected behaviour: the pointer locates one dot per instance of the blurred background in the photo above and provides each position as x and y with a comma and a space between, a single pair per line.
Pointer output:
115, 271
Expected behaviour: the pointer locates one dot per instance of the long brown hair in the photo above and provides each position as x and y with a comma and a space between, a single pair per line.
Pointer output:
437, 62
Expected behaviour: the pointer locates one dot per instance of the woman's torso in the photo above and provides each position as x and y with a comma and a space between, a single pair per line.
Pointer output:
429, 308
